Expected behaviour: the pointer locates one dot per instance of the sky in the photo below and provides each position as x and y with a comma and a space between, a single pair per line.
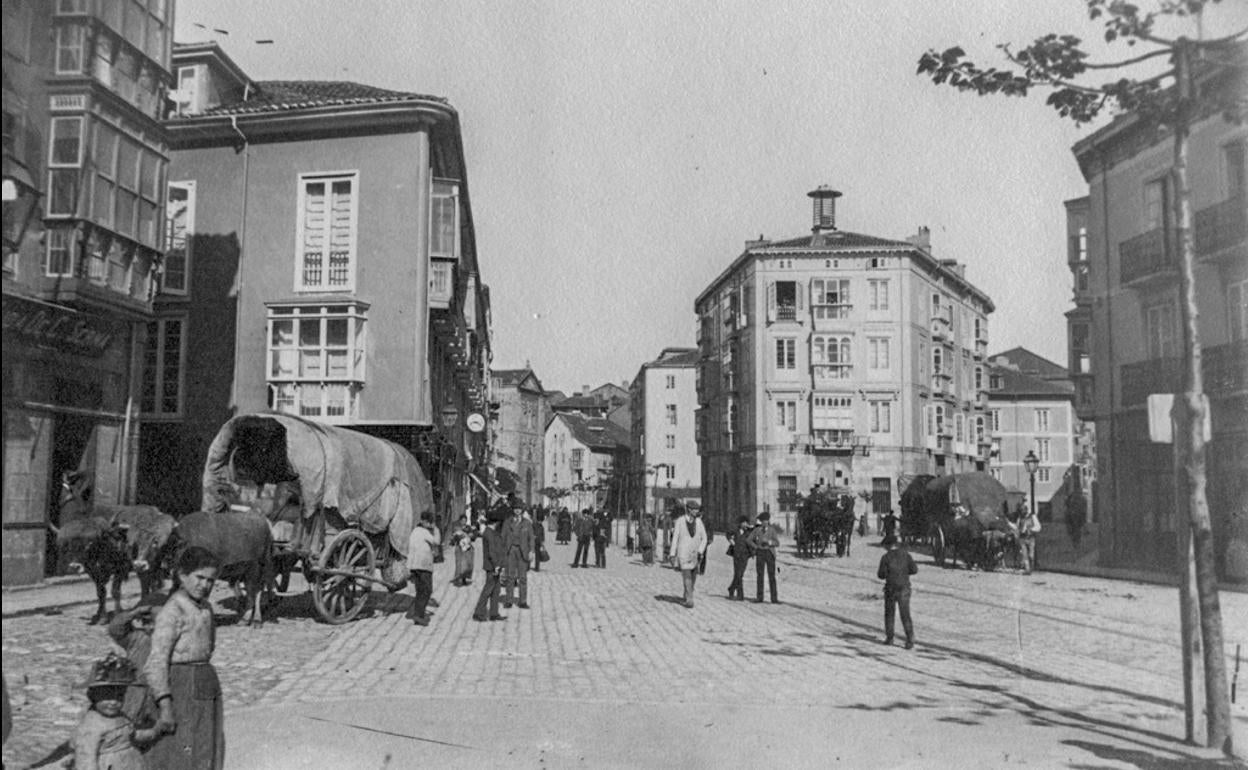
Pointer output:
620, 154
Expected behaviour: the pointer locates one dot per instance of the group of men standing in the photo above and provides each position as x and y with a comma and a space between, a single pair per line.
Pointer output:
509, 543
595, 528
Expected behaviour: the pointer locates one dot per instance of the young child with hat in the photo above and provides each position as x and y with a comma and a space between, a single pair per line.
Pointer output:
106, 738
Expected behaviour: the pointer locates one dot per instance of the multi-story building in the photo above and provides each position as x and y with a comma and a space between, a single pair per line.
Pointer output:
323, 263
520, 430
582, 457
664, 453
1031, 411
84, 167
1127, 322
840, 358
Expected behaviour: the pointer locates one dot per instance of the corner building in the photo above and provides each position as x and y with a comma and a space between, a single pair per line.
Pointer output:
838, 358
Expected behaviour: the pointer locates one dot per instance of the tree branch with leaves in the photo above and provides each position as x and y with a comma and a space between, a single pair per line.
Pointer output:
1205, 76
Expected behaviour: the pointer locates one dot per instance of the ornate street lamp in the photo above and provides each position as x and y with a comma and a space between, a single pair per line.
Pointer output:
21, 200
1032, 464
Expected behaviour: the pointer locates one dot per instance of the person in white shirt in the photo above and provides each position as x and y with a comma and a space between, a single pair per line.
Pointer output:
688, 545
421, 546
1027, 529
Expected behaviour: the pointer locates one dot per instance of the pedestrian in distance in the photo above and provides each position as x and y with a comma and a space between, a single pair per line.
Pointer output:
461, 540
106, 739
563, 533
645, 540
602, 533
179, 670
584, 527
896, 567
1028, 527
421, 545
518, 549
764, 540
492, 556
688, 545
890, 525
741, 551
539, 540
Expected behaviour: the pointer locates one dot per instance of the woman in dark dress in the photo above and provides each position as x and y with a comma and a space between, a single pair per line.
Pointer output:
564, 534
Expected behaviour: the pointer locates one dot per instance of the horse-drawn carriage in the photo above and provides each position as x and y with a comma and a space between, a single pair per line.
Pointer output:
825, 516
962, 515
341, 503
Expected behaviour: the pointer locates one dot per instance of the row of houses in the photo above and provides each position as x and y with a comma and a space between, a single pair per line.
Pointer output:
183, 243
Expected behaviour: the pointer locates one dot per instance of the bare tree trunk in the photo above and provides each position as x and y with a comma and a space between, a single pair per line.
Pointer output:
1189, 413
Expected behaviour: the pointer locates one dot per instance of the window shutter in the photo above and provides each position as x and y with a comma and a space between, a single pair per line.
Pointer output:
797, 294
771, 302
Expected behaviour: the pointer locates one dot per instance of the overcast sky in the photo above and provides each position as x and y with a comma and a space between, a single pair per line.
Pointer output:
620, 153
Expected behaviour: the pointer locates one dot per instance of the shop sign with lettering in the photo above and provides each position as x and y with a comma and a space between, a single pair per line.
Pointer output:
48, 326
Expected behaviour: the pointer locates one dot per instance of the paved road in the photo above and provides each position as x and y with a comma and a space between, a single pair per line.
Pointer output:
607, 670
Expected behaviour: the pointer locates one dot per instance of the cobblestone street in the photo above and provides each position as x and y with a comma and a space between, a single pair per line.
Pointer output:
998, 653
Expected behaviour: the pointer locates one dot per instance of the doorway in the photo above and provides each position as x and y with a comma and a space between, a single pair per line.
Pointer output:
881, 495
72, 450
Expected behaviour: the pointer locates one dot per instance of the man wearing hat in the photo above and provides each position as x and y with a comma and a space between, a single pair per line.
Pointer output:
688, 545
896, 567
764, 540
492, 556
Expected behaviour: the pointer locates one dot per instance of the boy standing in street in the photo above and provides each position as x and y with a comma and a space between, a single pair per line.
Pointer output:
741, 553
420, 547
896, 567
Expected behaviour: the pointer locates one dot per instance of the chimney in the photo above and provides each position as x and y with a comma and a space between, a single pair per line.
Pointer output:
824, 198
760, 242
922, 239
952, 266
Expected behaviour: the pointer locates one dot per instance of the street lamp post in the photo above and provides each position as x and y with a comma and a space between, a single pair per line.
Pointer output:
1032, 464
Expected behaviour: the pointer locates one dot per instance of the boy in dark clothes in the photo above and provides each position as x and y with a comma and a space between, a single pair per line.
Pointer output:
492, 557
896, 567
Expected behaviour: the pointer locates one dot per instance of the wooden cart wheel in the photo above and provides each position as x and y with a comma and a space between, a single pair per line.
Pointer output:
339, 597
938, 546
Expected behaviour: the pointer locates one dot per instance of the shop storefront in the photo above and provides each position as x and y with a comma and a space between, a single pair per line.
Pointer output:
68, 408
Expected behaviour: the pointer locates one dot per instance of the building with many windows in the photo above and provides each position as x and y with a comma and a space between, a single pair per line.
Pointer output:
85, 160
323, 264
838, 358
665, 458
582, 458
520, 430
1126, 325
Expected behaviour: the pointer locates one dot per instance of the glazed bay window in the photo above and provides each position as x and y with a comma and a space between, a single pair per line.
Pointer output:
164, 363
64, 166
60, 260
829, 298
126, 184
70, 49
444, 220
830, 357
832, 420
179, 225
316, 360
327, 232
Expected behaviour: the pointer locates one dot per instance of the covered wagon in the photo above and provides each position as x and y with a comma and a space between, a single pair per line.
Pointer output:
962, 515
341, 502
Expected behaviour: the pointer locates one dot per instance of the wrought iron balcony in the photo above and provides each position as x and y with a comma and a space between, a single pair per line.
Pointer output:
1224, 370
1221, 228
1147, 256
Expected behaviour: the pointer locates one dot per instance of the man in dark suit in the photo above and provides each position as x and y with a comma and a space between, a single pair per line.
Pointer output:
583, 528
602, 533
518, 547
492, 556
896, 567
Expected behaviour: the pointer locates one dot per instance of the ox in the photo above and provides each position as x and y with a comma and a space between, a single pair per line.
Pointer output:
108, 541
243, 543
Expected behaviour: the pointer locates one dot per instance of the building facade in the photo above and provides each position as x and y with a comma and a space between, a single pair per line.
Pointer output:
520, 430
324, 265
664, 448
1028, 412
582, 458
838, 358
1128, 325
85, 158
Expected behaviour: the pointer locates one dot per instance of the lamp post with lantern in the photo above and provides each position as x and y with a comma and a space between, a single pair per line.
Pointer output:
21, 201
1032, 464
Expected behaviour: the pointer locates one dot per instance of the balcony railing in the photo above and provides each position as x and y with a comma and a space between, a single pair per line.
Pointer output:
1221, 226
786, 312
1147, 255
1224, 370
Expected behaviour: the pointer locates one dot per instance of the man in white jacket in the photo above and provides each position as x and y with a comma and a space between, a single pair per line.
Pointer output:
688, 544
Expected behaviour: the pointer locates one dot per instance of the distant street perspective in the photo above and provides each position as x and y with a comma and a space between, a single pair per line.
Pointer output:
1050, 670
401, 384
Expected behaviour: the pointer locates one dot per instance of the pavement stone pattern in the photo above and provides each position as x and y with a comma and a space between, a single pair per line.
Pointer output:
47, 655
1097, 655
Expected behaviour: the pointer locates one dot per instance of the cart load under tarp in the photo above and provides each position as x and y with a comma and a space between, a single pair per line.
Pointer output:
369, 482
981, 494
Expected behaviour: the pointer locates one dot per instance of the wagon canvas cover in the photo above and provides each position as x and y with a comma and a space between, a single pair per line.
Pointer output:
374, 484
982, 495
